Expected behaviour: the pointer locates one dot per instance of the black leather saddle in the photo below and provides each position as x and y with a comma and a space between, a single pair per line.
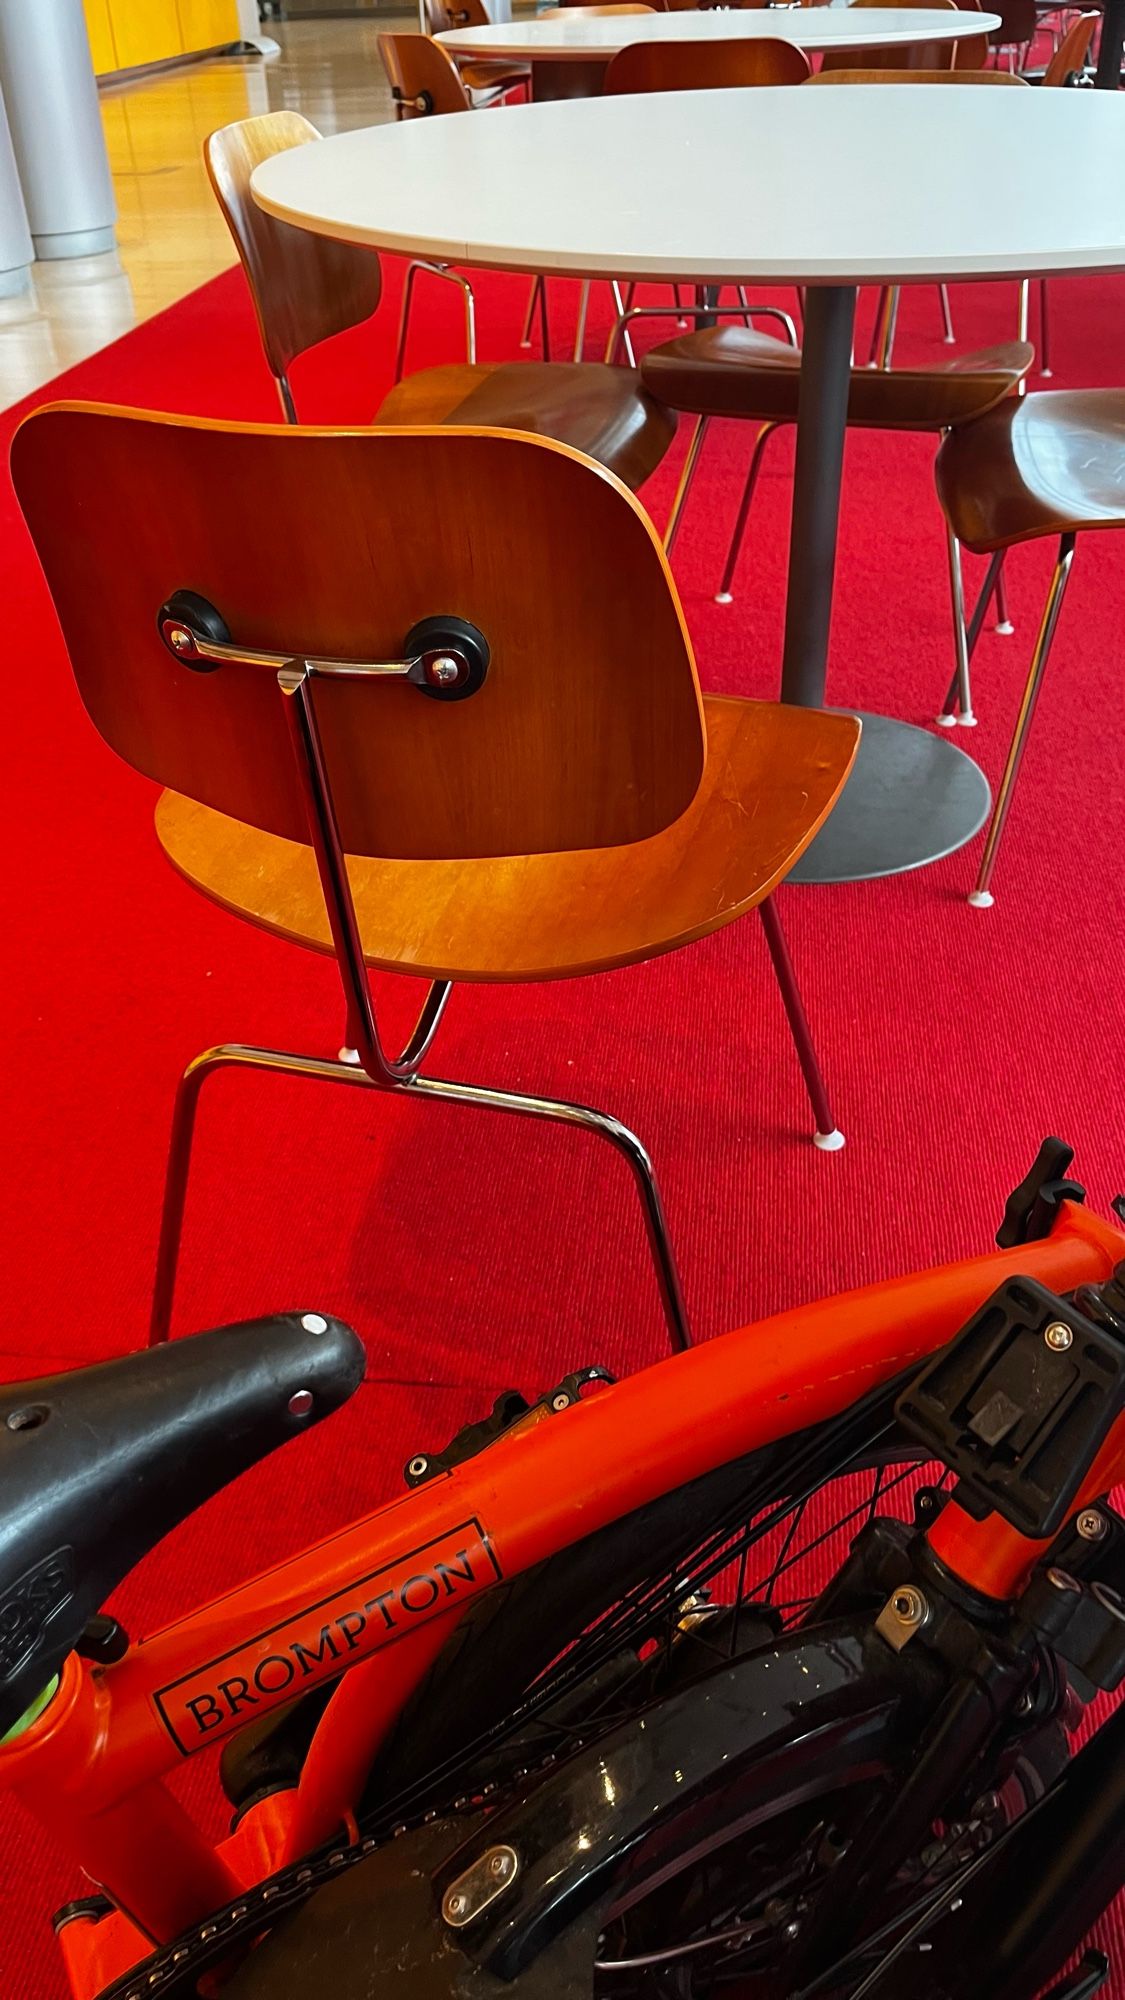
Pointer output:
98, 1464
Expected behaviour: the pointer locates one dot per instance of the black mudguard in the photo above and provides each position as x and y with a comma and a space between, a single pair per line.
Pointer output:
731, 1749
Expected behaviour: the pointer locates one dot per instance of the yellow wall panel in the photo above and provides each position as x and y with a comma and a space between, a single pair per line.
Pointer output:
101, 36
145, 31
207, 24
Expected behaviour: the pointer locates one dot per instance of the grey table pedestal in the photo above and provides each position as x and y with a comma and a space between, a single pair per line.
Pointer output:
912, 797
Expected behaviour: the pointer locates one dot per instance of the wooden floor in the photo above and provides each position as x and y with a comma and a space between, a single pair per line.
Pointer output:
170, 235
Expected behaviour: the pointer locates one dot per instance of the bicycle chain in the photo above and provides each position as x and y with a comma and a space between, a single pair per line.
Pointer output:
172, 1971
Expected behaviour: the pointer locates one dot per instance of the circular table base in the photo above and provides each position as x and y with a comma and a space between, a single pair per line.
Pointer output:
912, 798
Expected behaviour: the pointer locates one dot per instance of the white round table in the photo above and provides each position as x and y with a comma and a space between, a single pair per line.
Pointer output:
818, 187
582, 37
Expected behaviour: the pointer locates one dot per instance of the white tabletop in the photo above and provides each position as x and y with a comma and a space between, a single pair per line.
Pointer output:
808, 184
581, 35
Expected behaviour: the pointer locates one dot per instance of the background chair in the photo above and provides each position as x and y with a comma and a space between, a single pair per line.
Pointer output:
930, 57
485, 81
734, 64
425, 80
1051, 464
734, 371
305, 288
530, 790
704, 66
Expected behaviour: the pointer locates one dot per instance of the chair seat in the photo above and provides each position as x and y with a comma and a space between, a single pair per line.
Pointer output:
771, 777
490, 77
604, 412
1051, 464
732, 371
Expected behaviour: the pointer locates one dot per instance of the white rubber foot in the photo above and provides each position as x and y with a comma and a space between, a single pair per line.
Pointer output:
946, 721
1046, 374
949, 339
724, 597
525, 343
828, 1142
967, 720
348, 1056
1005, 630
980, 899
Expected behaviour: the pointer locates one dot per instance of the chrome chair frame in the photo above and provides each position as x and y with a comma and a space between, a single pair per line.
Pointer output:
420, 265
981, 896
374, 1068
364, 1061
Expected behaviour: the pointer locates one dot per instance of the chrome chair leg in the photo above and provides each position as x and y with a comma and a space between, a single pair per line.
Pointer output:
240, 1055
826, 1133
991, 586
948, 334
981, 896
686, 477
417, 265
724, 594
288, 407
961, 683
889, 329
583, 314
623, 317
1022, 318
1003, 623
1045, 368
877, 326
529, 316
544, 323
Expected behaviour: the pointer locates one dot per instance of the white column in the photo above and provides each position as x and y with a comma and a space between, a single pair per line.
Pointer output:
16, 252
250, 29
47, 77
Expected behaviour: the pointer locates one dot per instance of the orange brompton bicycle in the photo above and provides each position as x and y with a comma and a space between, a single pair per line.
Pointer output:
759, 1673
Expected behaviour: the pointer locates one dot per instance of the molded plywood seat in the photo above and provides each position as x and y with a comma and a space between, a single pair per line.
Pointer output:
546, 916
1051, 464
730, 371
602, 411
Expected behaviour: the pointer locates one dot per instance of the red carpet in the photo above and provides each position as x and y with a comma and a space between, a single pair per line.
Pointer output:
471, 1256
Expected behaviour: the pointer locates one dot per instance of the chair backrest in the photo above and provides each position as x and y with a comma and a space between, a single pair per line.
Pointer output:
911, 55
441, 15
586, 732
704, 65
969, 76
1069, 59
304, 287
1019, 21
423, 76
972, 52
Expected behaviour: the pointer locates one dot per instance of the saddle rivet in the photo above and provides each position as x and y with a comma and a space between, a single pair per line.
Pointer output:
180, 640
314, 1323
445, 670
1058, 1336
300, 1403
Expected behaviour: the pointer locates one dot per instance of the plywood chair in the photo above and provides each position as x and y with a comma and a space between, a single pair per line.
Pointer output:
703, 65
487, 82
1053, 465
306, 287
531, 789
733, 371
897, 56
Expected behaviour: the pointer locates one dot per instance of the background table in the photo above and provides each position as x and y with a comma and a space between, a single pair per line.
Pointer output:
582, 36
824, 188
569, 56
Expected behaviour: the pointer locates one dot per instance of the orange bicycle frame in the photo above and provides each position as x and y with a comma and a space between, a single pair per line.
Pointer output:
372, 1606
